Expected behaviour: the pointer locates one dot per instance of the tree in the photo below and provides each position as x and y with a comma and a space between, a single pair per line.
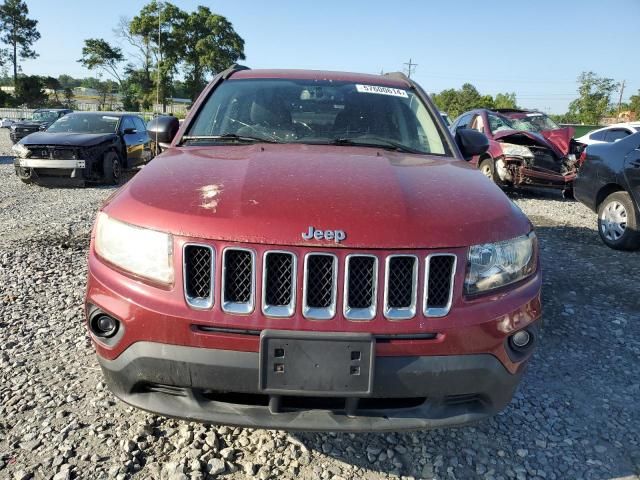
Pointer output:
98, 54
53, 84
163, 43
106, 91
6, 100
67, 81
30, 91
210, 45
69, 101
634, 104
19, 32
455, 102
594, 98
505, 100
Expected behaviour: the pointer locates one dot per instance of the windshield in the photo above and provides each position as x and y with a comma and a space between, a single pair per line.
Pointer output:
534, 122
498, 123
316, 112
44, 116
85, 123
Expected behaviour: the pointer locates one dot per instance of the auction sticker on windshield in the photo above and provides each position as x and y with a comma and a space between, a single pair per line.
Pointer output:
396, 92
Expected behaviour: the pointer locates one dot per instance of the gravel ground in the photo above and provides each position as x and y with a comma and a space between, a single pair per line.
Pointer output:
576, 414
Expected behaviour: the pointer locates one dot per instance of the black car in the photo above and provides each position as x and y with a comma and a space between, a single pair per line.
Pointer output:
41, 119
88, 146
609, 183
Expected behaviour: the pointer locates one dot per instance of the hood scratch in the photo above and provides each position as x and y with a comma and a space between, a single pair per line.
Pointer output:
210, 195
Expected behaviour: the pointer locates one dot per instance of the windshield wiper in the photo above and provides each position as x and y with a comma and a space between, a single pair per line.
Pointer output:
375, 142
227, 137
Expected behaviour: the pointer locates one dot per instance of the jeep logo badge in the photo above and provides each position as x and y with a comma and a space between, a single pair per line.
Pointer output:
335, 235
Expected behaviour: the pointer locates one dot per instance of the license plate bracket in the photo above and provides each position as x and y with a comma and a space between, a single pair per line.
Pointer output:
320, 364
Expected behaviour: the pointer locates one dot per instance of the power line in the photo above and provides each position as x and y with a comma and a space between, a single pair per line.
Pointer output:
411, 67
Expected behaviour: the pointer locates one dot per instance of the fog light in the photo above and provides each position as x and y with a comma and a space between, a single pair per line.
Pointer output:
104, 326
521, 339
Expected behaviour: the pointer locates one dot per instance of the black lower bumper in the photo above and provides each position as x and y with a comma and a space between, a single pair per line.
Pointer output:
222, 387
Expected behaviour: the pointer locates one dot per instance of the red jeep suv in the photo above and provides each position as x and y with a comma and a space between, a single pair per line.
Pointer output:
313, 252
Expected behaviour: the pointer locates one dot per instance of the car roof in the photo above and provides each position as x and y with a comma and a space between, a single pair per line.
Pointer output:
624, 124
110, 114
634, 125
389, 80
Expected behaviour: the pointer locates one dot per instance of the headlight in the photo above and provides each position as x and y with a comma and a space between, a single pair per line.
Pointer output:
514, 150
21, 151
493, 265
143, 252
12, 127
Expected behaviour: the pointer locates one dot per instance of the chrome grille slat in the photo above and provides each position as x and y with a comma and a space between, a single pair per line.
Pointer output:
279, 289
238, 280
360, 287
320, 285
279, 283
198, 271
440, 270
401, 287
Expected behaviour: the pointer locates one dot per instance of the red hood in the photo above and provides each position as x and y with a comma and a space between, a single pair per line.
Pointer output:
558, 140
273, 193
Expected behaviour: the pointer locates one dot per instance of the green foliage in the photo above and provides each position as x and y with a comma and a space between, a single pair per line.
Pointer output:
53, 84
30, 91
505, 100
454, 102
98, 54
19, 32
634, 104
7, 100
164, 48
106, 92
69, 101
564, 118
594, 98
194, 44
209, 45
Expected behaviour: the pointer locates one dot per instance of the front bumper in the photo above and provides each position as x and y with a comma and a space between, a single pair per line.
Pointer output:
222, 387
49, 163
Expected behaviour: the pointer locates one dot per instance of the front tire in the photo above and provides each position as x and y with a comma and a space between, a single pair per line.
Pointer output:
488, 169
618, 222
112, 168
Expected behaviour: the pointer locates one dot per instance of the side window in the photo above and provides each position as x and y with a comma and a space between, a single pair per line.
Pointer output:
126, 123
598, 135
464, 121
616, 134
478, 123
139, 123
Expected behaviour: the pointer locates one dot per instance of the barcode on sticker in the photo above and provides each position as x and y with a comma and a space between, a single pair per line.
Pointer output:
396, 92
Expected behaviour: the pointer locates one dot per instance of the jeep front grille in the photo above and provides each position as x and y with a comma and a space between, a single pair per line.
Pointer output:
360, 287
320, 284
438, 279
198, 275
238, 280
284, 289
278, 284
401, 285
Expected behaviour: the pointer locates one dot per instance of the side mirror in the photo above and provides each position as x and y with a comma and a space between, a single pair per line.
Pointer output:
162, 129
471, 142
129, 131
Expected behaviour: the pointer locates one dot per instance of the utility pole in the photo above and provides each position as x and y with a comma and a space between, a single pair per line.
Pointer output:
411, 67
620, 97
